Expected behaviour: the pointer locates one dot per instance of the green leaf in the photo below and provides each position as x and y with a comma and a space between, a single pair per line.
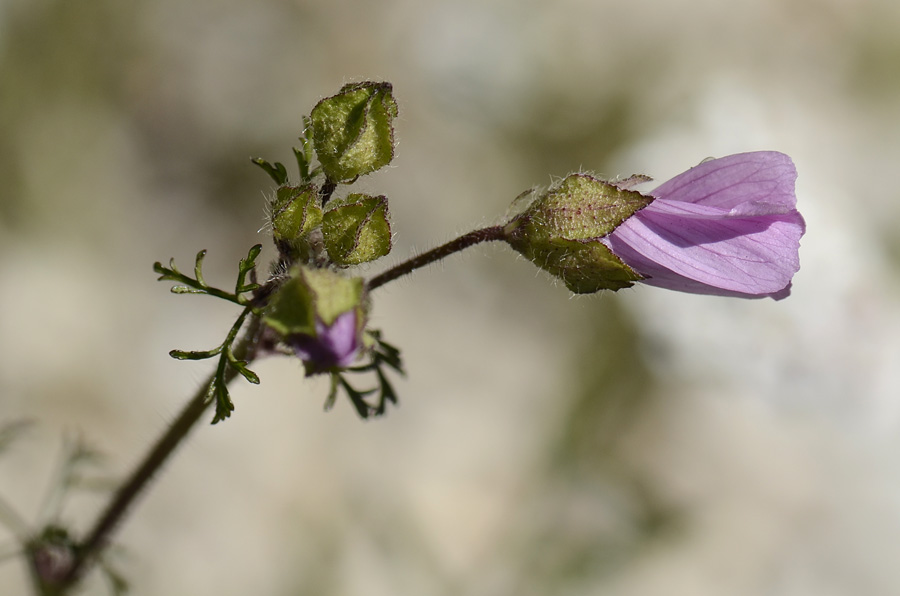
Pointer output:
277, 172
386, 393
158, 268
304, 153
198, 267
194, 355
248, 374
335, 379
198, 285
244, 267
186, 290
353, 131
218, 390
241, 367
357, 398
390, 356
302, 163
357, 230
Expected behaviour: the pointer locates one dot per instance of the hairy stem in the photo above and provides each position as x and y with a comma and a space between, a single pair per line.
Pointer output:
326, 191
436, 254
99, 536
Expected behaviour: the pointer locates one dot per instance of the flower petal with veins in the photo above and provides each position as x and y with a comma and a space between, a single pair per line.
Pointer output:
727, 227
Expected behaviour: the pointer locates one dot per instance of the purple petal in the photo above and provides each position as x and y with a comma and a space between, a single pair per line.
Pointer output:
757, 183
727, 227
334, 346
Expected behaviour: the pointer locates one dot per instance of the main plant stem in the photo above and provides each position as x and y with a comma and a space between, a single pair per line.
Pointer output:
474, 237
98, 537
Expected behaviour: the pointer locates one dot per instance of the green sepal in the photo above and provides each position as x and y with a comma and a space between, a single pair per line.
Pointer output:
560, 232
357, 230
582, 208
334, 293
292, 309
295, 211
584, 266
312, 294
353, 131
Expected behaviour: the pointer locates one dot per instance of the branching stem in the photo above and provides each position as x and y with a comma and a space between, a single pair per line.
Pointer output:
98, 537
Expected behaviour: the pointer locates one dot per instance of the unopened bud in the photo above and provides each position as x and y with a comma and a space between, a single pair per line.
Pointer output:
295, 212
353, 131
357, 230
320, 314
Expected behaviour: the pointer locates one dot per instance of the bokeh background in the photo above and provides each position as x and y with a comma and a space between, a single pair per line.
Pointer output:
640, 443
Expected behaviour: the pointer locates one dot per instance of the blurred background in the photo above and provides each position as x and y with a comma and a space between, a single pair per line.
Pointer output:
639, 443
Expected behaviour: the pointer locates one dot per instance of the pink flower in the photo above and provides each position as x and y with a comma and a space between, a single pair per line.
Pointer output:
727, 227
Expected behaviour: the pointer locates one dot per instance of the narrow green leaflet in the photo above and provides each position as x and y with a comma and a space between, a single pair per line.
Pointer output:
247, 265
218, 387
276, 171
198, 285
381, 354
194, 355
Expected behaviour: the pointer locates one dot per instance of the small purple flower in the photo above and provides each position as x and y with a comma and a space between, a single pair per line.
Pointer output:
337, 345
727, 227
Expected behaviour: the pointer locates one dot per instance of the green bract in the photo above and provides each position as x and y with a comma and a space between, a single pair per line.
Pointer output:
357, 230
352, 131
295, 212
311, 294
560, 232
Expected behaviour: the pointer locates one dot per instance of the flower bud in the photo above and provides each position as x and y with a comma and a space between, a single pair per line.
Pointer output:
560, 232
295, 212
357, 230
320, 315
353, 132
